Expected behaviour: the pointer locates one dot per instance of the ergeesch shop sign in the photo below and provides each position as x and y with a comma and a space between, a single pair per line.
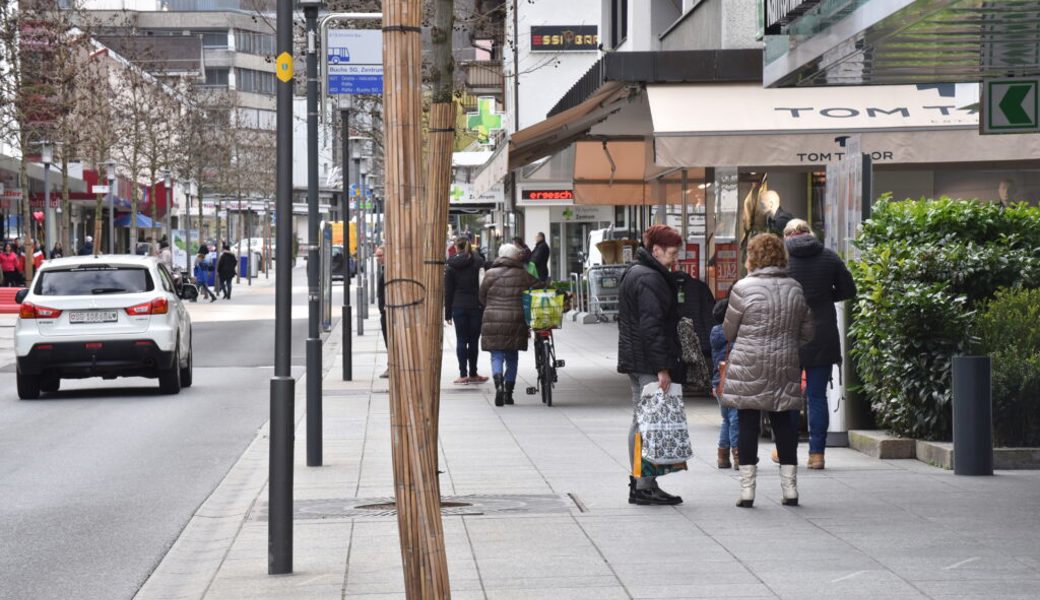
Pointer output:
547, 195
564, 38
782, 12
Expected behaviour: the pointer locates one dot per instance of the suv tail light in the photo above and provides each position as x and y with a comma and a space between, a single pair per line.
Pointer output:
29, 310
158, 306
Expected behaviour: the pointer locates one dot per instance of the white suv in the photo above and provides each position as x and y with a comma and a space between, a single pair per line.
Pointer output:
105, 316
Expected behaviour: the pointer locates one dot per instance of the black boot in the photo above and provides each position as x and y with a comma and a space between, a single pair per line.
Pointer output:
509, 392
500, 391
654, 496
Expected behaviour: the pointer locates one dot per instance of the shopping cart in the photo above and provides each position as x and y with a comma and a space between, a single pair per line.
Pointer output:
604, 284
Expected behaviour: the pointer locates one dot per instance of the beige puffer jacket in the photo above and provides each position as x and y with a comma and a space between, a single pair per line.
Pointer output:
768, 321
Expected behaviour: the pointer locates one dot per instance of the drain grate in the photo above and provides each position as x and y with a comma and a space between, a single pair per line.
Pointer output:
452, 506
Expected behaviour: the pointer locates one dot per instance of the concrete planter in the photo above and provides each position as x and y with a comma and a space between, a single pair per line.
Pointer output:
886, 446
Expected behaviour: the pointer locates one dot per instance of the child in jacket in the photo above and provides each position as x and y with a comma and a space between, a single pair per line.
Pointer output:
729, 431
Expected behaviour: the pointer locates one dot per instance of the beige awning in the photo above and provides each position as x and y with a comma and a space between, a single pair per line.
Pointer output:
745, 125
622, 173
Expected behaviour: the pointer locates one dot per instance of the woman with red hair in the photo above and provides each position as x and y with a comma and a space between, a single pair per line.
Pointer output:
648, 344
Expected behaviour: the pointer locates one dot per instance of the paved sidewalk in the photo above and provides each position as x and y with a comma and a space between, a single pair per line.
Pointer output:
549, 516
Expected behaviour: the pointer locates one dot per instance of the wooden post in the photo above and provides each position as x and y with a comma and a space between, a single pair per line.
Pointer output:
415, 472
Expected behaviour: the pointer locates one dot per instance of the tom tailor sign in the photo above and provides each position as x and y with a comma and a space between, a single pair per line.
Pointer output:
564, 38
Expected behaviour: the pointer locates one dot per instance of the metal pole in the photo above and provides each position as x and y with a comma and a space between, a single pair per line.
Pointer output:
972, 415
283, 386
48, 211
363, 247
187, 233
111, 211
249, 249
360, 279
346, 322
314, 441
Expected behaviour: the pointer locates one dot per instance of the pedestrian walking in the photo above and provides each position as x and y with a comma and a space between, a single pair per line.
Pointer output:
227, 265
9, 265
525, 251
729, 431
57, 251
503, 330
380, 253
540, 257
649, 349
201, 267
825, 280
462, 308
767, 321
88, 246
165, 255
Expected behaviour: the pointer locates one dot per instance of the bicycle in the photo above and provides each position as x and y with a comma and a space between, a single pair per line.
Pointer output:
546, 364
543, 311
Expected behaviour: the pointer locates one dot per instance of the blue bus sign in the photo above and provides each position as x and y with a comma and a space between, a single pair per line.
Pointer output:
355, 61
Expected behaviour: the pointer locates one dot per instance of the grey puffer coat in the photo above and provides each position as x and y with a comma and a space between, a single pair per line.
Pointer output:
768, 321
503, 327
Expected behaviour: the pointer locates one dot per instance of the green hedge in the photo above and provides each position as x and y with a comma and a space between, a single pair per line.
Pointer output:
1008, 329
926, 267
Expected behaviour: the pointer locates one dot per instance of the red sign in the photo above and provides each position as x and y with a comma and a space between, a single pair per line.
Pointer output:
547, 195
691, 264
727, 259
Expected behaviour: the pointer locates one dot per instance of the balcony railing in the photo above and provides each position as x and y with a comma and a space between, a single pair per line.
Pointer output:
484, 75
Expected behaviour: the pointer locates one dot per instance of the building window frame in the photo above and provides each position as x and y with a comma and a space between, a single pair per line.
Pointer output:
618, 23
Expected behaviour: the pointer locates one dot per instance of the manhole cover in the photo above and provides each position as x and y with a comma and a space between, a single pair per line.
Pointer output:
454, 506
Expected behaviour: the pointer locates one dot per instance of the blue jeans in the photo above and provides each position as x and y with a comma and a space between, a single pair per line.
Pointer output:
729, 433
467, 338
510, 358
816, 379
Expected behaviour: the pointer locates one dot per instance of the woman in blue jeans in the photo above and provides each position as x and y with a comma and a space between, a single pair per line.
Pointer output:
503, 331
825, 280
462, 308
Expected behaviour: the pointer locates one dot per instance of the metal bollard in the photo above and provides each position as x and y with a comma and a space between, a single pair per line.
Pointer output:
972, 415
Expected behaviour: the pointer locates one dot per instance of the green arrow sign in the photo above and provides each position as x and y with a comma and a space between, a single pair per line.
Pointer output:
1011, 106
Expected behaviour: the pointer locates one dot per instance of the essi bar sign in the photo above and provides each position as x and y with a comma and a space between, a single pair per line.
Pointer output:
782, 12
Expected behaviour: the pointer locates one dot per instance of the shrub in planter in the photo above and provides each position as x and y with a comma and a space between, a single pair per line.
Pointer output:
1009, 331
925, 267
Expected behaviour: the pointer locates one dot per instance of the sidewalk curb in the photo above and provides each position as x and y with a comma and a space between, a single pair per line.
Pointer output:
189, 567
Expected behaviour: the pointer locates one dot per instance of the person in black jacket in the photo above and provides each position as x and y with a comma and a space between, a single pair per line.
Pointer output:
227, 264
462, 307
648, 342
381, 298
540, 257
824, 280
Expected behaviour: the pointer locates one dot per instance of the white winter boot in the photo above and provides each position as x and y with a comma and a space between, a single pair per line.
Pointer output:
748, 473
789, 485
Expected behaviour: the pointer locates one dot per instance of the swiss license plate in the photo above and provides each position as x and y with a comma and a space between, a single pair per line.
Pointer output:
93, 316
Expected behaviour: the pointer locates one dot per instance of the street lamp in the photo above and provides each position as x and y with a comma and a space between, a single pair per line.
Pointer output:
47, 156
111, 170
168, 184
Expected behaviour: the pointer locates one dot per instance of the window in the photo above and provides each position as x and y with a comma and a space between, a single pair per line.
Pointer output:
618, 22
95, 279
217, 77
252, 42
214, 39
257, 82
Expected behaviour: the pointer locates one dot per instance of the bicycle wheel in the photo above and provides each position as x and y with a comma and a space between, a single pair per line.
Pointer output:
545, 376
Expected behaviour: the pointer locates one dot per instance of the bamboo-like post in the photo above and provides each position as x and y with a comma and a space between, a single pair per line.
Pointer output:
415, 473
438, 189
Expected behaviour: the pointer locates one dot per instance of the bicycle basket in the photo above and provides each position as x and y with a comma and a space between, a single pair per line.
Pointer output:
543, 309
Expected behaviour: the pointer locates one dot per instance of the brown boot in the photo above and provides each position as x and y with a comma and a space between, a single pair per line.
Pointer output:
724, 458
815, 460
736, 458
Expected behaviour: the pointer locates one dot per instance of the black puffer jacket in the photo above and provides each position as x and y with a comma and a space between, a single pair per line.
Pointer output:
648, 334
825, 280
462, 282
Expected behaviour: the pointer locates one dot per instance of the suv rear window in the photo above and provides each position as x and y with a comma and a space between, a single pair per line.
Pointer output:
93, 279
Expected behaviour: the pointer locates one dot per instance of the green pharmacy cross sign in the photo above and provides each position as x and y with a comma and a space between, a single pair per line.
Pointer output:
457, 193
485, 120
1010, 106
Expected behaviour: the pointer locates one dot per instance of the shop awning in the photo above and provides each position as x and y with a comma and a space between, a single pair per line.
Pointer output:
622, 173
735, 125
